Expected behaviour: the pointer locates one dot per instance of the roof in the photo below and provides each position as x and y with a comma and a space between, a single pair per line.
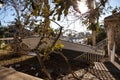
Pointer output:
113, 17
32, 42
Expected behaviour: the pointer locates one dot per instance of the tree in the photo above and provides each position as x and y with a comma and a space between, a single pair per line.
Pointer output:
27, 14
96, 8
100, 35
39, 13
3, 31
92, 21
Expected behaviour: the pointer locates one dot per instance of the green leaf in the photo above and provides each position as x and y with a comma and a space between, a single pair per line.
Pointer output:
59, 46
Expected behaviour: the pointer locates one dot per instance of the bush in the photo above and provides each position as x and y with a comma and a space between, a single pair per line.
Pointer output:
4, 46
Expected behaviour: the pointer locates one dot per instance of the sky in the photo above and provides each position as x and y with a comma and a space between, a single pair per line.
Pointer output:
113, 3
5, 18
83, 8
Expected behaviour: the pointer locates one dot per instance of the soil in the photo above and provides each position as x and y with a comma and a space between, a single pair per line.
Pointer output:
55, 65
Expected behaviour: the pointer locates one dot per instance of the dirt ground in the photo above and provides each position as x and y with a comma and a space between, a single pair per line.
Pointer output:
55, 65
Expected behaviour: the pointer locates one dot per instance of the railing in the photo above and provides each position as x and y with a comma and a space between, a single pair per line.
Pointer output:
88, 57
85, 48
101, 43
117, 61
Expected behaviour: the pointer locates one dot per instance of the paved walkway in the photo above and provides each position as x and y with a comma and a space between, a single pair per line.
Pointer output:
11, 74
99, 71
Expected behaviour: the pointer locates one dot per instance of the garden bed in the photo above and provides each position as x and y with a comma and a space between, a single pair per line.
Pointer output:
30, 65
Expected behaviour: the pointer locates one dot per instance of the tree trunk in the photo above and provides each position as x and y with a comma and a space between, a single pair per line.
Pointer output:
16, 46
94, 38
43, 68
91, 7
69, 66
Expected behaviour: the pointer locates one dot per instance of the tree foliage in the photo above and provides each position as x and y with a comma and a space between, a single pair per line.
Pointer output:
37, 15
101, 35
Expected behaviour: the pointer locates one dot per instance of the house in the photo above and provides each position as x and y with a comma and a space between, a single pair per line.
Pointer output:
112, 25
